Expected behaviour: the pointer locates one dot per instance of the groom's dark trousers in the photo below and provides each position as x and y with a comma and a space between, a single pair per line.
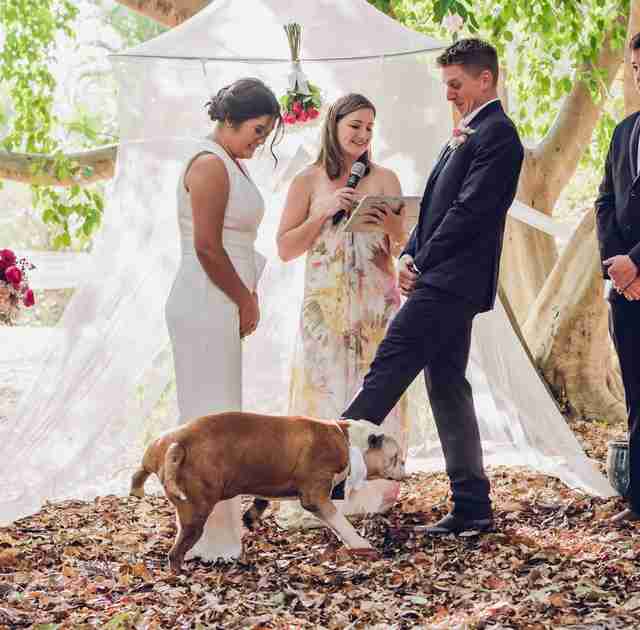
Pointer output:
456, 246
618, 225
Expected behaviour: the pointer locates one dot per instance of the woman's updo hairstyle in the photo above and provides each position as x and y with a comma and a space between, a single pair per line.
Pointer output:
244, 100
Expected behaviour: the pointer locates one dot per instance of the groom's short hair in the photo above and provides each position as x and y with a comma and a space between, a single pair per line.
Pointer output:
474, 54
634, 43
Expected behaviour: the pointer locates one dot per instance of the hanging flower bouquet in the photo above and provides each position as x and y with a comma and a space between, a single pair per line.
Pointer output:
302, 101
14, 287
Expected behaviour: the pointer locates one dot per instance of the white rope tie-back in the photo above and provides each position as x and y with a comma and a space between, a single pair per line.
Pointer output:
298, 79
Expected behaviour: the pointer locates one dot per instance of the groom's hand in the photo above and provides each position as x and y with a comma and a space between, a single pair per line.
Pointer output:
622, 270
407, 275
632, 292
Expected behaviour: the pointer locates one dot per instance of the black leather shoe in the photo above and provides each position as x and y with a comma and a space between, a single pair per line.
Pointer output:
338, 492
455, 524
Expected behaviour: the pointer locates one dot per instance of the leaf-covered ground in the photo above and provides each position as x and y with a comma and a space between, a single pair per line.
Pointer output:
554, 563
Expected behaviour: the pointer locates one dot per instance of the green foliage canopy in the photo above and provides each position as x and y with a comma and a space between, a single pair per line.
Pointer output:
545, 46
30, 30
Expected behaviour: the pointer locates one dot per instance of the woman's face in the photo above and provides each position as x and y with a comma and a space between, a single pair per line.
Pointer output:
355, 131
249, 135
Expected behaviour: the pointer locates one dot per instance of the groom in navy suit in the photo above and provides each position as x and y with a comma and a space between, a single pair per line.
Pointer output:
449, 273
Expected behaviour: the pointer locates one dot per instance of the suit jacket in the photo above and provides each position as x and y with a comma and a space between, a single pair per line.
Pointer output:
618, 202
457, 242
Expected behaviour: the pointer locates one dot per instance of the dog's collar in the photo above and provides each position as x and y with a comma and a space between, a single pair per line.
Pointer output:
357, 475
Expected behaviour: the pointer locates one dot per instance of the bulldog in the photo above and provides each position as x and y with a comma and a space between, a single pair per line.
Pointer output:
220, 456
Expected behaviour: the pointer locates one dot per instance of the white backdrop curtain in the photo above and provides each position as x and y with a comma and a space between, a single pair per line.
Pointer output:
104, 386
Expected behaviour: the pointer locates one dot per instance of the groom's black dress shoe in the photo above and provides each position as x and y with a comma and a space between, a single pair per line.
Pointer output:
456, 524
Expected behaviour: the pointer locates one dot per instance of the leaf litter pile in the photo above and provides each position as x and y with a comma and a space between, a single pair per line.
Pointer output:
554, 563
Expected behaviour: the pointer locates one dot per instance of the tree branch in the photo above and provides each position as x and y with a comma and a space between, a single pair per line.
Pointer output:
94, 165
166, 12
556, 157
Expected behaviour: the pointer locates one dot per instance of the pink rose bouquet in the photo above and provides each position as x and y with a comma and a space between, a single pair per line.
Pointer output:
14, 287
300, 108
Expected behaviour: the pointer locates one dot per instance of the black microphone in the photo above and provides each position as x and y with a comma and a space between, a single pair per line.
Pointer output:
358, 171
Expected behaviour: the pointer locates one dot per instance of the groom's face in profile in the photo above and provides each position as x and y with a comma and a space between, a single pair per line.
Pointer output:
464, 90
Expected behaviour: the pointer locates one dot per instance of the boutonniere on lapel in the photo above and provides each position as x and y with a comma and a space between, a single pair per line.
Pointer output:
460, 135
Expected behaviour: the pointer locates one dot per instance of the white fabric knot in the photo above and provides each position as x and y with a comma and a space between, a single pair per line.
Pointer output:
357, 471
298, 80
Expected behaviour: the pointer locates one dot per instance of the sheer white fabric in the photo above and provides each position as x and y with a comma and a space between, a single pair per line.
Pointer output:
104, 386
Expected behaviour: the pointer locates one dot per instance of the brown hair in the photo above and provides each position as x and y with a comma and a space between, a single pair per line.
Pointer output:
473, 54
244, 100
330, 156
634, 44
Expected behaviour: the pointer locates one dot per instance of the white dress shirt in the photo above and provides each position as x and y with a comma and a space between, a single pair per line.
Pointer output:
464, 122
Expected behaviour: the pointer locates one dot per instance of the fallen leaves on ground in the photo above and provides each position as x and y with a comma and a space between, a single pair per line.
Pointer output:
554, 562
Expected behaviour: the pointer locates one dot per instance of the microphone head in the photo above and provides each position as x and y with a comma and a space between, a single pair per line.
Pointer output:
358, 169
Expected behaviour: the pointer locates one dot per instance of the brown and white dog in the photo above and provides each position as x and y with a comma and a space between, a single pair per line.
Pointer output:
218, 457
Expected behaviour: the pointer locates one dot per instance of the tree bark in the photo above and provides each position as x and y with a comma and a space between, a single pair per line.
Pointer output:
169, 13
93, 165
529, 255
568, 335
567, 328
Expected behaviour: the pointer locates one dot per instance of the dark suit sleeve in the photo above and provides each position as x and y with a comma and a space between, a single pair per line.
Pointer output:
488, 188
411, 246
609, 236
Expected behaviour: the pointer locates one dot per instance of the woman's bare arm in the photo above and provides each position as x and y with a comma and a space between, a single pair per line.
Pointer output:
208, 184
302, 219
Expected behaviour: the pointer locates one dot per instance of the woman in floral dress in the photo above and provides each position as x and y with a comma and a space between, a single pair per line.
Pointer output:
351, 291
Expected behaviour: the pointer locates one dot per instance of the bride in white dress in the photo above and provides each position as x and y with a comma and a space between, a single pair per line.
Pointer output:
213, 303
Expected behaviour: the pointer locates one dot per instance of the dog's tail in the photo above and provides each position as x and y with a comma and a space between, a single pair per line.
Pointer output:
142, 474
172, 460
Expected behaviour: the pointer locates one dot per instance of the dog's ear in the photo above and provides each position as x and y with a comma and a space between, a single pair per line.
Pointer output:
375, 441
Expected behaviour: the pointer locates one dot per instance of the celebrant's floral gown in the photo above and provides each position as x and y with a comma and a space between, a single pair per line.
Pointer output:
350, 295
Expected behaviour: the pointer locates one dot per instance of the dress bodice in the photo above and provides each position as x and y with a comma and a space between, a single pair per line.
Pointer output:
243, 214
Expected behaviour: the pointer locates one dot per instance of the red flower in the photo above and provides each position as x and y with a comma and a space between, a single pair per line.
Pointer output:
29, 299
13, 275
313, 112
289, 119
303, 116
7, 258
296, 107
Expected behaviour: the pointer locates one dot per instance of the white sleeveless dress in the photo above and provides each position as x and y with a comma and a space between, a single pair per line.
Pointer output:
204, 328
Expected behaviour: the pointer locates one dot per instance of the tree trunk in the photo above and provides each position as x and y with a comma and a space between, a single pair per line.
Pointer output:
529, 255
166, 12
568, 335
567, 328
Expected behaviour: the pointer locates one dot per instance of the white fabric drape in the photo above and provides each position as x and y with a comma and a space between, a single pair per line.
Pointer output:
104, 386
